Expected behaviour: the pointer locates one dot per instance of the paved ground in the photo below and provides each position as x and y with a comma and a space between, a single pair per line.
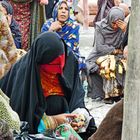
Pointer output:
97, 109
86, 40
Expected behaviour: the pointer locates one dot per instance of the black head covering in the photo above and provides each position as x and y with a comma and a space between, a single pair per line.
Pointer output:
46, 48
8, 7
15, 29
22, 83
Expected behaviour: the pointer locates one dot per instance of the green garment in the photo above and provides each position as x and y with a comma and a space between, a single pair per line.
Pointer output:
7, 114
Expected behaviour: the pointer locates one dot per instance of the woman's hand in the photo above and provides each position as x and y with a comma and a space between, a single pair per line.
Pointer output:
64, 118
117, 51
77, 125
55, 26
44, 2
117, 2
122, 25
78, 122
125, 52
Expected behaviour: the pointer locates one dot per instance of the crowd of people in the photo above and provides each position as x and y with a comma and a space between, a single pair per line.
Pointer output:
40, 66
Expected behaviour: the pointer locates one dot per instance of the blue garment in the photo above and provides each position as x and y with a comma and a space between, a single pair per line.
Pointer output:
82, 64
41, 127
15, 30
69, 32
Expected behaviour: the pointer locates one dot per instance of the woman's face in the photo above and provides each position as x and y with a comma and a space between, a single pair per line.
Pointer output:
114, 25
8, 16
117, 2
4, 11
63, 13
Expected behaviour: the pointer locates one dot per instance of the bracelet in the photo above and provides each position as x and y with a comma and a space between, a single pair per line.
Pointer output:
49, 121
46, 121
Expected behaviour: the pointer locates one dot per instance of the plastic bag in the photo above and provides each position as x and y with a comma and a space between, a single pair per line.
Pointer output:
83, 113
67, 132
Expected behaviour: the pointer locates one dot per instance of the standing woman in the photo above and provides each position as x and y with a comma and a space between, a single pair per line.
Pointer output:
103, 8
62, 24
29, 14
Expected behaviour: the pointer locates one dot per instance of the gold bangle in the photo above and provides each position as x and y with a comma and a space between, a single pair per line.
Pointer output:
46, 121
49, 121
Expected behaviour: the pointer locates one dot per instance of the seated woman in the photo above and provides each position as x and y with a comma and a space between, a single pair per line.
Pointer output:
62, 24
46, 82
9, 119
8, 11
104, 80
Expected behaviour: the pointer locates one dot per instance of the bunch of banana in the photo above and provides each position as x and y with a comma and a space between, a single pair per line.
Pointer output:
101, 59
124, 63
107, 66
122, 66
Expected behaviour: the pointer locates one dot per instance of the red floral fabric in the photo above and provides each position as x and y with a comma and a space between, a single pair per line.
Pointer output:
22, 14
